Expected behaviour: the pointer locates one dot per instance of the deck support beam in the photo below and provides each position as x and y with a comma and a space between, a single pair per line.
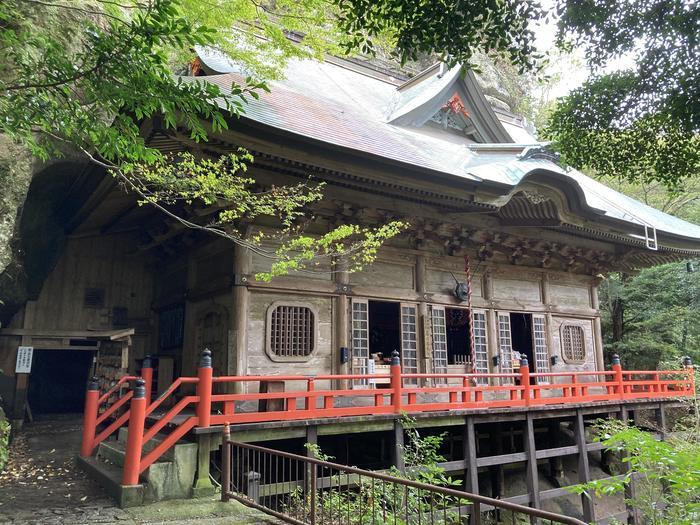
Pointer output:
634, 517
471, 479
397, 453
584, 470
533, 479
311, 439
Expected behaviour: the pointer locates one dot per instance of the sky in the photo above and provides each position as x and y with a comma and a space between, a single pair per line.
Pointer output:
568, 72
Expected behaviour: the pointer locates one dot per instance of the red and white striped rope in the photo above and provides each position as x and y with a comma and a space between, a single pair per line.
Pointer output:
468, 272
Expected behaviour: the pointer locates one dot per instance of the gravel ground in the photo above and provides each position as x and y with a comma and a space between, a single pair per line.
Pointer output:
42, 485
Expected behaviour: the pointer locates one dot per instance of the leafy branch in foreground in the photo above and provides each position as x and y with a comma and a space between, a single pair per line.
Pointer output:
92, 89
171, 182
667, 475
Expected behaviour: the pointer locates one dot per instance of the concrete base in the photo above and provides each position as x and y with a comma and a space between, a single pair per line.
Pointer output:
171, 477
109, 477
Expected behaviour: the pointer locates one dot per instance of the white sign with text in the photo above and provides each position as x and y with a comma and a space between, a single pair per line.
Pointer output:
24, 360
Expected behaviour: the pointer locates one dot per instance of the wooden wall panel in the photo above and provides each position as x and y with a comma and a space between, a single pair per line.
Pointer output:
587, 325
258, 360
386, 275
441, 281
110, 263
570, 294
522, 291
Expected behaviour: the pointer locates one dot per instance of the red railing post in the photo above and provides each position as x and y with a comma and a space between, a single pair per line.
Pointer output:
134, 441
396, 381
466, 394
310, 403
525, 379
147, 375
690, 370
90, 417
619, 378
204, 387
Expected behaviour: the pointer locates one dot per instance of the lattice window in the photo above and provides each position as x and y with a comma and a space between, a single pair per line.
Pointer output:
360, 338
505, 346
439, 337
573, 343
409, 339
481, 352
291, 331
539, 342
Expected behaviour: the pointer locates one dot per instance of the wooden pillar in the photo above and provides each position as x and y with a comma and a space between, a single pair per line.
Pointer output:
597, 329
425, 354
471, 477
634, 518
496, 471
533, 479
238, 356
584, 471
341, 334
556, 464
397, 451
19, 403
206, 443
311, 439
660, 413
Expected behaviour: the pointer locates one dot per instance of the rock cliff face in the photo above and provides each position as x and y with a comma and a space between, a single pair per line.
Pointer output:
36, 203
16, 170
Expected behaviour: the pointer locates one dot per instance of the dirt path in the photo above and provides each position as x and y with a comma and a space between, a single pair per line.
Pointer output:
43, 485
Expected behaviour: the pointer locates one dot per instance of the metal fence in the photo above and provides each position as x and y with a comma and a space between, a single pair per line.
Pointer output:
309, 491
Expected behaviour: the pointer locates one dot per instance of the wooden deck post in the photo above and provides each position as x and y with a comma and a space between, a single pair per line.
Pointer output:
226, 463
90, 417
619, 378
584, 471
634, 517
471, 478
147, 375
134, 441
396, 381
311, 439
397, 452
533, 478
660, 413
204, 388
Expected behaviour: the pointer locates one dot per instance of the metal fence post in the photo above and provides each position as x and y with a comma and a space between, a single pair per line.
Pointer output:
226, 463
90, 417
134, 441
312, 499
204, 387
252, 490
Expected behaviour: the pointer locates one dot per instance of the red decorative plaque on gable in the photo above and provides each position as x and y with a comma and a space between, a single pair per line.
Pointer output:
455, 105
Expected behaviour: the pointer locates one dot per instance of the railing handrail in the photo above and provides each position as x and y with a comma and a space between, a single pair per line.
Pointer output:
445, 491
521, 389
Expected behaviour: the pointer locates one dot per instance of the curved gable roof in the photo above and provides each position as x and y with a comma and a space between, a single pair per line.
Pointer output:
341, 107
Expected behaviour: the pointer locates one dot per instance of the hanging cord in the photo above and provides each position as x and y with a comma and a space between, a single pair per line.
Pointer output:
468, 272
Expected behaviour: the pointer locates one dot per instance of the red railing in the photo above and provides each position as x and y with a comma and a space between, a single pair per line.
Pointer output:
440, 392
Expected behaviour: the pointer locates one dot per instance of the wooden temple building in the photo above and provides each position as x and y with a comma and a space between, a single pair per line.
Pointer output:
308, 356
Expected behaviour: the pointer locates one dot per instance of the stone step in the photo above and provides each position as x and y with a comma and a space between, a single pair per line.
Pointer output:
109, 477
171, 476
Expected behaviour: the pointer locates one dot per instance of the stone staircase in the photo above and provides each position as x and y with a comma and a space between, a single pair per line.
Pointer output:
172, 476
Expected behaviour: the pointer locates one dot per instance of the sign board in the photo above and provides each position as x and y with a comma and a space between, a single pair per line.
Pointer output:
24, 359
371, 370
